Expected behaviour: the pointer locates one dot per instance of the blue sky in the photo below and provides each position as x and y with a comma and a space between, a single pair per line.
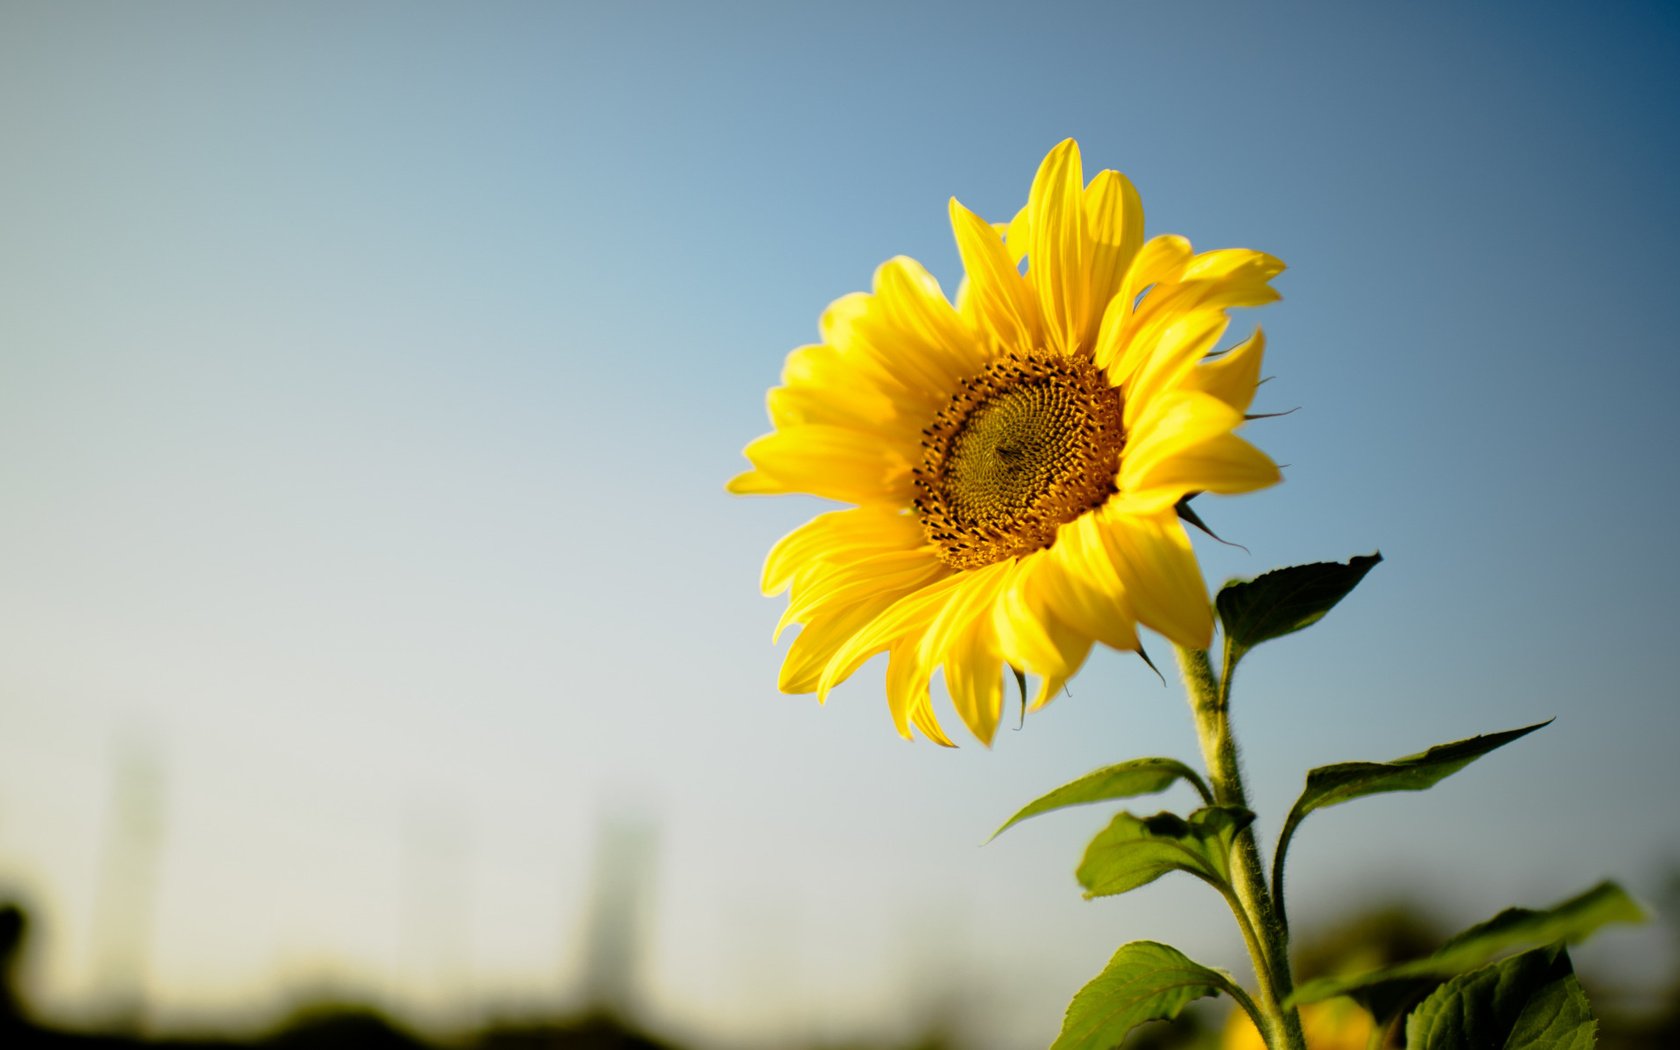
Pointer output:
369, 377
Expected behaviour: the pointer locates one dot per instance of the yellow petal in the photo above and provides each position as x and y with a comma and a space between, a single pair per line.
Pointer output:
1185, 444
1084, 586
1114, 217
907, 694
1050, 685
1021, 625
922, 631
818, 373
834, 626
1233, 376
867, 341
974, 678
959, 637
792, 406
1018, 234
1163, 583
838, 535
1175, 421
836, 462
814, 647
844, 585
923, 326
966, 603
1059, 247
1240, 265
845, 568
752, 483
1160, 260
1228, 277
1031, 636
908, 616
1164, 282
1001, 299
1113, 332
922, 717
1170, 351
814, 363
1226, 465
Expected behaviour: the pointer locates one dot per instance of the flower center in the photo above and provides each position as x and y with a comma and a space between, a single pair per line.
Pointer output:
1029, 444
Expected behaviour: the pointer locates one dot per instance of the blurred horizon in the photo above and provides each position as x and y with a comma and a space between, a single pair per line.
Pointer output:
369, 378
607, 1010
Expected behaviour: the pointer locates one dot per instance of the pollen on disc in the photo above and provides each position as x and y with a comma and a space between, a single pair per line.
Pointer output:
1029, 444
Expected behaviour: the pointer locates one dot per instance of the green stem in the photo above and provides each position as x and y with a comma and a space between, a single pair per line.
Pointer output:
1251, 938
1267, 943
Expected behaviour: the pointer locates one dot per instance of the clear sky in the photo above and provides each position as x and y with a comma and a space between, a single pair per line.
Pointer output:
369, 376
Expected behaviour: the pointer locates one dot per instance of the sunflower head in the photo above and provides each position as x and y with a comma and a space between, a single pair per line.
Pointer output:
1012, 462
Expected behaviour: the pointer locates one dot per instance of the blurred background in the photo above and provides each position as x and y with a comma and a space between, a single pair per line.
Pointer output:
381, 659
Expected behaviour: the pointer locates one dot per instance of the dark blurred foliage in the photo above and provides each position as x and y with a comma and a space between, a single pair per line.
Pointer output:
1388, 933
13, 927
348, 1026
1381, 935
356, 1027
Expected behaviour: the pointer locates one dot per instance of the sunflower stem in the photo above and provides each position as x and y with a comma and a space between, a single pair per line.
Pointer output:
1268, 944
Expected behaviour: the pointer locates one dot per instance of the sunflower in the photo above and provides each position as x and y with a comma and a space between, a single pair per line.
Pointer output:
1016, 462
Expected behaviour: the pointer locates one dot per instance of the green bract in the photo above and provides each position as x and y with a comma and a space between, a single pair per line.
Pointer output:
1134, 851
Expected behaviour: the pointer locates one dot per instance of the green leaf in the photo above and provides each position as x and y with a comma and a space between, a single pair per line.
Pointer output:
1527, 1002
1134, 851
1145, 981
1387, 990
1140, 776
1284, 601
1346, 781
1572, 920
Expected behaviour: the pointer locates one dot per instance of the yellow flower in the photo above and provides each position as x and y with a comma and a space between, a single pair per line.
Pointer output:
1014, 460
1335, 1024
